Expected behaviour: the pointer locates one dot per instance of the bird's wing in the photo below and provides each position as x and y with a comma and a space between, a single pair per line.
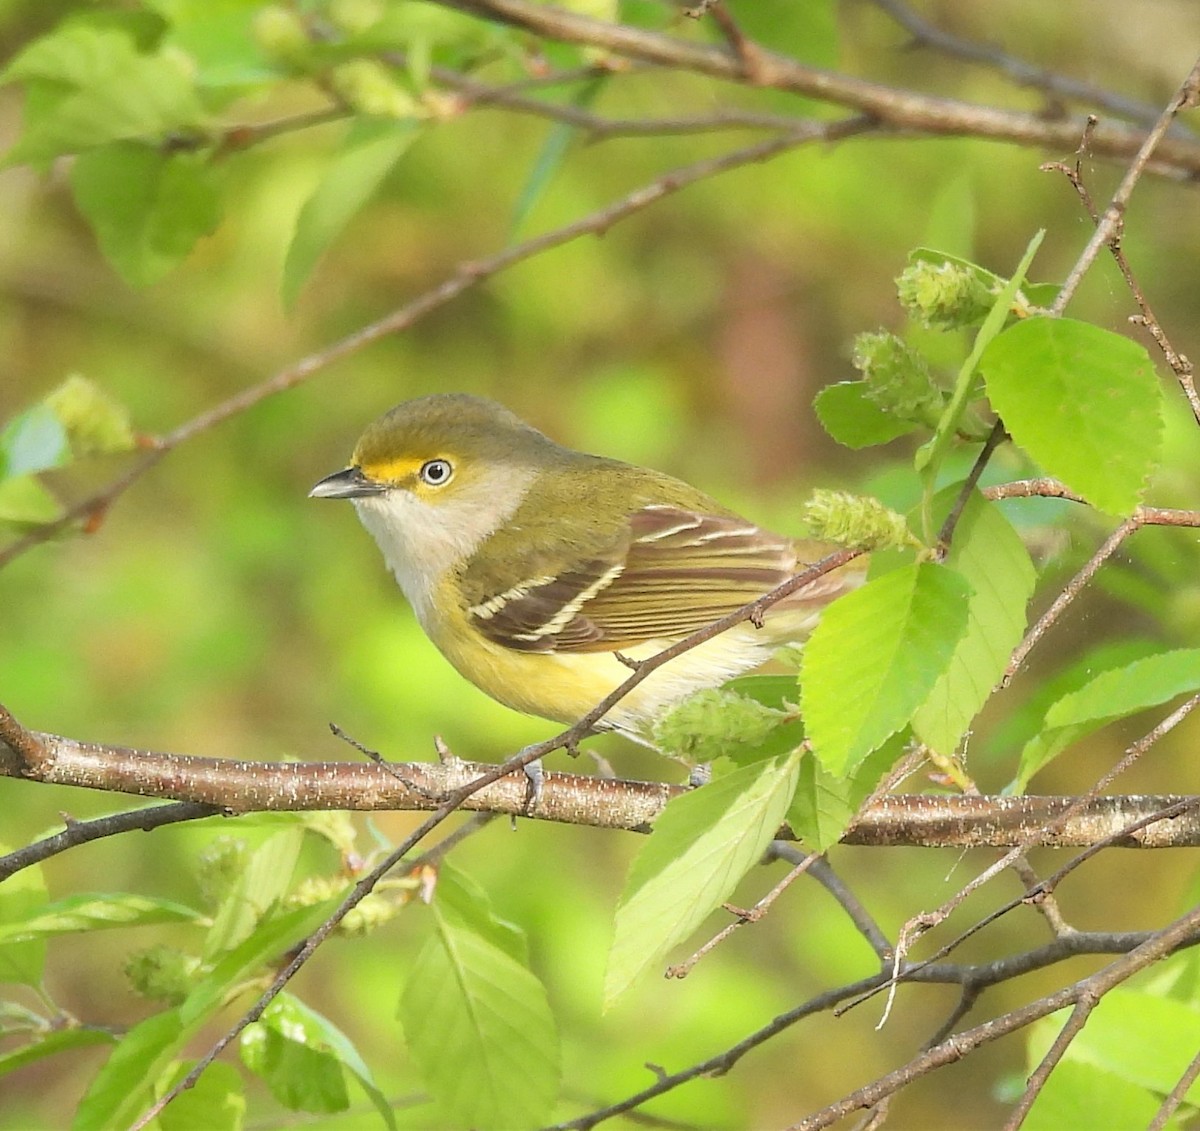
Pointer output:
670, 573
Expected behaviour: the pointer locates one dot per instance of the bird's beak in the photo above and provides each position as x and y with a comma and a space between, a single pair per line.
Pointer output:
348, 484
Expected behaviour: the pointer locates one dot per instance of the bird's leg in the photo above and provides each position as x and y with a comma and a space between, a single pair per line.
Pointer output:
535, 779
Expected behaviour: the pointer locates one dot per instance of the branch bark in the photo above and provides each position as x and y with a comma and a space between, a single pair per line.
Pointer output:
891, 107
238, 786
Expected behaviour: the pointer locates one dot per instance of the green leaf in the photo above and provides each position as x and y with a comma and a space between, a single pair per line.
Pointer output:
874, 658
287, 1050
369, 153
552, 155
214, 1103
121, 1090
87, 86
459, 895
1080, 1095
825, 805
1027, 720
1111, 695
260, 886
51, 1044
853, 420
33, 441
701, 846
23, 899
271, 939
218, 37
148, 208
93, 913
25, 503
479, 1025
1140, 1037
1132, 1035
1083, 402
989, 553
303, 1057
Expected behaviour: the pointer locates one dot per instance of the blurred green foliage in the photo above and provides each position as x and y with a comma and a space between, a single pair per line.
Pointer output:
217, 611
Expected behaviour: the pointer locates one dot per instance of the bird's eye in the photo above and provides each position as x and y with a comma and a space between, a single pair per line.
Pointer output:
436, 472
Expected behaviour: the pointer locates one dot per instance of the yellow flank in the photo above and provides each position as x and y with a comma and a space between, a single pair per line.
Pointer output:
565, 686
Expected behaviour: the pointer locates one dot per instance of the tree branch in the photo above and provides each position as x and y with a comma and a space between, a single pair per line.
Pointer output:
237, 786
1017, 70
896, 109
1182, 932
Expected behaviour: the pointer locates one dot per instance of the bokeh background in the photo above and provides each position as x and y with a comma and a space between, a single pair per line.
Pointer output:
218, 611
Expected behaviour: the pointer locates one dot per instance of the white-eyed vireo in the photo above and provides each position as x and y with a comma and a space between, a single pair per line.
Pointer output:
529, 565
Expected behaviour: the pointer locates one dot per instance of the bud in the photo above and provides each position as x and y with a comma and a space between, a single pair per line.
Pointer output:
316, 889
282, 35
714, 722
219, 867
161, 973
367, 86
355, 16
896, 378
372, 911
943, 296
857, 521
95, 424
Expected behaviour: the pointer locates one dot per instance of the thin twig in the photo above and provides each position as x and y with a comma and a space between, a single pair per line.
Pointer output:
742, 917
1047, 885
993, 441
742, 45
1176, 1096
1179, 363
596, 126
1020, 71
864, 922
982, 974
84, 832
237, 138
1108, 229
1041, 898
895, 109
1045, 488
1070, 591
1054, 1054
1163, 943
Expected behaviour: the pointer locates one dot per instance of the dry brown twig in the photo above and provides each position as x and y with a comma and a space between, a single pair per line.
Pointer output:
1179, 363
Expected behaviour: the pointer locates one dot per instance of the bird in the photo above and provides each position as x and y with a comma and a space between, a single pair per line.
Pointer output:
543, 574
